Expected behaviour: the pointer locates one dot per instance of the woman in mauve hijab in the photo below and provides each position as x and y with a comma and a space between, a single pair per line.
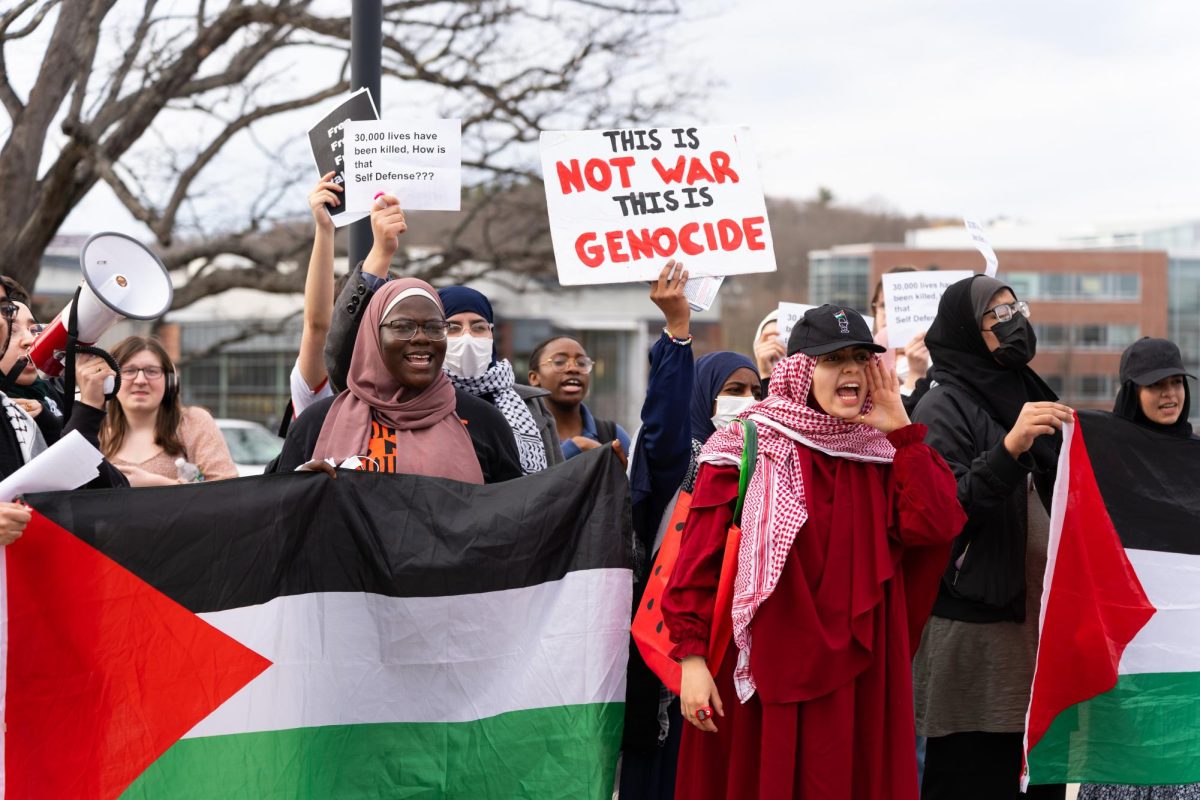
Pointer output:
399, 412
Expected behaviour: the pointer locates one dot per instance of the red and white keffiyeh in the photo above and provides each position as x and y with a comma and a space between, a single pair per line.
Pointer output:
775, 508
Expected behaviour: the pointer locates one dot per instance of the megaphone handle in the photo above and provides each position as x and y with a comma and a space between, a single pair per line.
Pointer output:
87, 349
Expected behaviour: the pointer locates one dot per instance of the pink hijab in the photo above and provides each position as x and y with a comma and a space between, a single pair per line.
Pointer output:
430, 438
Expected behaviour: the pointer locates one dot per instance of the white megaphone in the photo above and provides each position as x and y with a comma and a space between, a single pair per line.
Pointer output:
122, 280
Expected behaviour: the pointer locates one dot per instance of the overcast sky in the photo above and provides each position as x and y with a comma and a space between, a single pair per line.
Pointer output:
1043, 110
1051, 112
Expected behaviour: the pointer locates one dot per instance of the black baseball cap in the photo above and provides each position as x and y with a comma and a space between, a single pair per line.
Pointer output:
827, 328
1148, 361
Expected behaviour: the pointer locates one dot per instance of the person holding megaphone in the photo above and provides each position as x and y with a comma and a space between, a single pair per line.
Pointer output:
24, 435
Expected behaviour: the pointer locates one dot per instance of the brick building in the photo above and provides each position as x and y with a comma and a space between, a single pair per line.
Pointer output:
1088, 305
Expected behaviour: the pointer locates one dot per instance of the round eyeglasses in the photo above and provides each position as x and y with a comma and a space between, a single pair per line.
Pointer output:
477, 328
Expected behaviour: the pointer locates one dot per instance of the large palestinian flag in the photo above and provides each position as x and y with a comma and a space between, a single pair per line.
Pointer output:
1116, 692
294, 636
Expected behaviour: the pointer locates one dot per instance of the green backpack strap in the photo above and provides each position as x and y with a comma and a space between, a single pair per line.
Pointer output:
746, 470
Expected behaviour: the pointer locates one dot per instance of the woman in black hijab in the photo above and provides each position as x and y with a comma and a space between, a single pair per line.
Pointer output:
1154, 395
1154, 389
996, 423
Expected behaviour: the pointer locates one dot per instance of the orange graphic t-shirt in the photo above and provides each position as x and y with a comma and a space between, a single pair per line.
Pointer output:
381, 452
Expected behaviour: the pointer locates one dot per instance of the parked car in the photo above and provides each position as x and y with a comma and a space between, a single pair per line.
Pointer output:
251, 445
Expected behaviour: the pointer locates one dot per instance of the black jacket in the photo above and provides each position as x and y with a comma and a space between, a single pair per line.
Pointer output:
989, 586
490, 433
84, 418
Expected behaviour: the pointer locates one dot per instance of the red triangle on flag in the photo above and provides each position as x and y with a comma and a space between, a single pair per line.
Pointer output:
1093, 604
105, 672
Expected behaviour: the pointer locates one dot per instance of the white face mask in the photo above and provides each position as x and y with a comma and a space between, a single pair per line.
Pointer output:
467, 356
729, 407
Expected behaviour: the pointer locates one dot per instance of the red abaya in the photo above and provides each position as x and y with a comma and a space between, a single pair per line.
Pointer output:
832, 645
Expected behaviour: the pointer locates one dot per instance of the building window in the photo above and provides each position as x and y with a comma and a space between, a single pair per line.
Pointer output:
1112, 338
1069, 287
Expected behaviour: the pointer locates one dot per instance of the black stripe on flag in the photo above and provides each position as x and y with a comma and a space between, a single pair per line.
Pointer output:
1150, 482
235, 543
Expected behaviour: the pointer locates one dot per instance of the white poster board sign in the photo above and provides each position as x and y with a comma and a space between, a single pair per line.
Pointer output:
790, 314
912, 301
979, 239
419, 162
624, 202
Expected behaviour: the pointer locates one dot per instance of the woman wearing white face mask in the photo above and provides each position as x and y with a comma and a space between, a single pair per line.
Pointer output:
473, 367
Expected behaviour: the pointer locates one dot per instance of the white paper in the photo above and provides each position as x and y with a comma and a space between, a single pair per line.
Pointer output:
624, 202
419, 162
979, 239
701, 292
912, 301
790, 314
67, 464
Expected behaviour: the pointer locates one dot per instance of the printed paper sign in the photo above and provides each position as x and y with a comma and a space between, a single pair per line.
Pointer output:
790, 314
624, 202
701, 293
418, 162
325, 139
912, 301
982, 245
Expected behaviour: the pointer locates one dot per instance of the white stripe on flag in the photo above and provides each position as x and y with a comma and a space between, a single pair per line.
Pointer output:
1170, 642
345, 658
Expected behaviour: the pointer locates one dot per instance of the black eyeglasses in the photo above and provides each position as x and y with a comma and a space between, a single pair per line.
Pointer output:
434, 330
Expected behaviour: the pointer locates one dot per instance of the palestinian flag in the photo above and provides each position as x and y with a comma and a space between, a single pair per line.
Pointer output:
1116, 691
294, 636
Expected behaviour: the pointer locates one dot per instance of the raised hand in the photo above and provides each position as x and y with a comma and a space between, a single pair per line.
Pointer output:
887, 405
325, 194
667, 294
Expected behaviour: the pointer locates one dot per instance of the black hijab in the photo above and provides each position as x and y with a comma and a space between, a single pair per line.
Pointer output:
961, 358
1129, 406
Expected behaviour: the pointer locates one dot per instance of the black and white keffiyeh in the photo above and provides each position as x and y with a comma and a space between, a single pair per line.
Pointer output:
498, 381
29, 436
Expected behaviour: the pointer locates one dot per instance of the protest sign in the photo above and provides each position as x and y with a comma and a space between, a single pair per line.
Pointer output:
325, 139
419, 162
701, 292
790, 314
982, 245
623, 202
912, 298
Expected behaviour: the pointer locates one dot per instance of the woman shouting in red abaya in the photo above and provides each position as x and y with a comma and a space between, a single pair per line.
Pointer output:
845, 530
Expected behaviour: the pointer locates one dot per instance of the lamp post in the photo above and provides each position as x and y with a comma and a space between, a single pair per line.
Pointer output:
366, 54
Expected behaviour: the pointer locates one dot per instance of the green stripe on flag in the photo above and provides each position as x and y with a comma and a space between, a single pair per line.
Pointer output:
1143, 731
566, 751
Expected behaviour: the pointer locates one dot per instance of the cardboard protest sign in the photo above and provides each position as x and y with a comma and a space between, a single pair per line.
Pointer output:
325, 139
790, 314
419, 162
623, 202
912, 298
979, 239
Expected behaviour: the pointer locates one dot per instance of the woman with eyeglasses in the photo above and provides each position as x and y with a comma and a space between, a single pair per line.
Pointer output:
149, 429
399, 412
997, 424
474, 367
562, 367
